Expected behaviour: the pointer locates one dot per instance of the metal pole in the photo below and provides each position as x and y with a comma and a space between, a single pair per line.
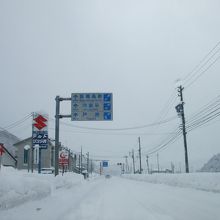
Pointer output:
184, 129
126, 164
147, 160
79, 164
69, 163
81, 156
88, 164
139, 141
57, 126
91, 166
133, 160
39, 160
32, 147
100, 168
28, 160
158, 166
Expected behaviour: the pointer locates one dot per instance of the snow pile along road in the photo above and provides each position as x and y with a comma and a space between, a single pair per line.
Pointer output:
17, 187
201, 181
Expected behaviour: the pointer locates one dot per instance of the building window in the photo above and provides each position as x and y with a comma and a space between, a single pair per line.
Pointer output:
25, 156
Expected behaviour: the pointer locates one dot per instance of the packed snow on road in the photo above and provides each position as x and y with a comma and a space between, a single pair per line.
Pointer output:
25, 196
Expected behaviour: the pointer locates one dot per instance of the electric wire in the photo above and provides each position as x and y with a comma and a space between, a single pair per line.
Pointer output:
212, 111
198, 76
195, 73
17, 123
121, 129
201, 61
201, 66
114, 134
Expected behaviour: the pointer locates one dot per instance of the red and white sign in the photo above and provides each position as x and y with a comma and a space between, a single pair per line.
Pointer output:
2, 151
63, 158
40, 122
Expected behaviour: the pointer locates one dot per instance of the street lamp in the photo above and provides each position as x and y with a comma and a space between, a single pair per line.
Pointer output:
27, 148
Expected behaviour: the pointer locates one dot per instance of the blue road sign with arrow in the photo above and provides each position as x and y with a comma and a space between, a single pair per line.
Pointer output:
92, 106
104, 163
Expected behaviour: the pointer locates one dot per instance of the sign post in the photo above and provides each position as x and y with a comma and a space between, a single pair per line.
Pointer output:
40, 135
84, 107
63, 159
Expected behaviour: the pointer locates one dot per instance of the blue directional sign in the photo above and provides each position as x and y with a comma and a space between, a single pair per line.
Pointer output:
92, 107
104, 163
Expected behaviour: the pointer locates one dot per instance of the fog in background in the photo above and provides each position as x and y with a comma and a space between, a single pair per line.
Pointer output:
134, 49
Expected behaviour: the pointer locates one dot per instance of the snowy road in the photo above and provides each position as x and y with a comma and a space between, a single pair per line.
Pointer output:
120, 199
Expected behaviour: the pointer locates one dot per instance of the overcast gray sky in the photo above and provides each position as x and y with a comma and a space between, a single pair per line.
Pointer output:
134, 49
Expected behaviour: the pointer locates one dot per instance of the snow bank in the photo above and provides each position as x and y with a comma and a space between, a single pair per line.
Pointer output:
201, 181
17, 187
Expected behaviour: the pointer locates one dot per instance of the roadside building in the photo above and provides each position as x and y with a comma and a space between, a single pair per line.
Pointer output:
24, 155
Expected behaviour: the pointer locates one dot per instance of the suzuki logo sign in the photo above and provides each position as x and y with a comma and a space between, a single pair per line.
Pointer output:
40, 122
40, 130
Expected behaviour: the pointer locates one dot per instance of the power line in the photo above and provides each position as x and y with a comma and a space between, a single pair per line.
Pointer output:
16, 123
198, 76
176, 132
204, 117
121, 129
202, 63
165, 144
115, 134
212, 104
167, 106
204, 120
191, 125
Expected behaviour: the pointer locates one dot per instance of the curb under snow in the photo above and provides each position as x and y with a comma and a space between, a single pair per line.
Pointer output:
201, 181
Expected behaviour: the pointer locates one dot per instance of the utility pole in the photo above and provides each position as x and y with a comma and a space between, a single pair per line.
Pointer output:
126, 164
100, 168
180, 110
32, 146
133, 160
79, 164
147, 160
122, 168
58, 116
158, 165
57, 130
81, 157
91, 166
88, 164
139, 141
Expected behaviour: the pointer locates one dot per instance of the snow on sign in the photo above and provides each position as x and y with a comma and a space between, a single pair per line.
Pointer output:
91, 107
40, 130
63, 158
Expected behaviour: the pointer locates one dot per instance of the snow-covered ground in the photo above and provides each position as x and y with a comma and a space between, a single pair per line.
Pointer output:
17, 187
201, 181
69, 197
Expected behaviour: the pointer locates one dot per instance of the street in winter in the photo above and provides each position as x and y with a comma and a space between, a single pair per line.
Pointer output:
163, 196
110, 110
